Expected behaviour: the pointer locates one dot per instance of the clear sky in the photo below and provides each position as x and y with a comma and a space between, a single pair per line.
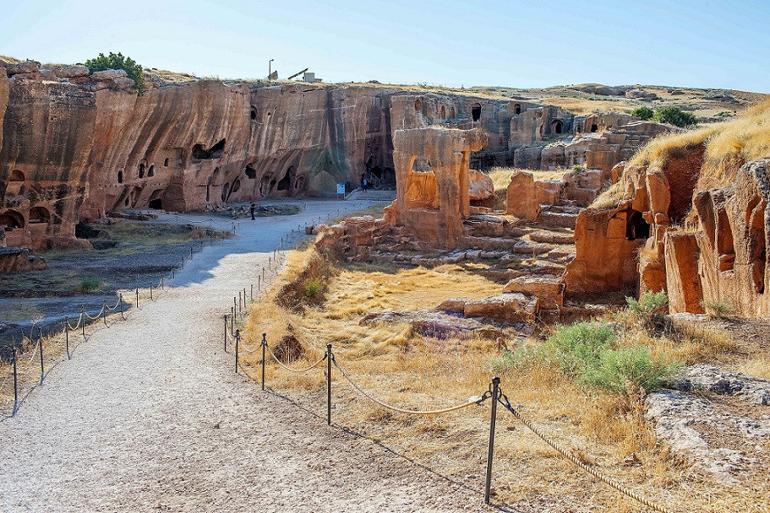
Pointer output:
699, 43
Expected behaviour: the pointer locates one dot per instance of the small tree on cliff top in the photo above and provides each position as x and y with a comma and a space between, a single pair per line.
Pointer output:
119, 61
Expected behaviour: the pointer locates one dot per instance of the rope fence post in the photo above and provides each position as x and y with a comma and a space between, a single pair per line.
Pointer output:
251, 291
237, 343
259, 282
264, 346
225, 316
161, 283
491, 447
15, 385
329, 357
244, 299
42, 366
104, 314
120, 298
235, 306
67, 336
232, 321
240, 307
137, 297
151, 292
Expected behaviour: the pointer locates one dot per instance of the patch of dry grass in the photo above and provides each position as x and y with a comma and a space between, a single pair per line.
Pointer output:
588, 105
411, 371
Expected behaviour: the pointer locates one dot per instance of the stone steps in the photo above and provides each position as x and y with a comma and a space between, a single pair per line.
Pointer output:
560, 219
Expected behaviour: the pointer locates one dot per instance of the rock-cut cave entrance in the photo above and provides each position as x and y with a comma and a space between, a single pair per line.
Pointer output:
557, 126
757, 244
156, 204
10, 220
476, 112
636, 226
285, 183
199, 153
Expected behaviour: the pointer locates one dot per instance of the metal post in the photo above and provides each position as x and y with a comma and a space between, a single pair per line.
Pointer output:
237, 343
240, 307
42, 368
120, 302
251, 291
15, 384
263, 273
235, 305
67, 336
104, 314
161, 283
259, 282
225, 316
137, 297
264, 346
491, 449
172, 274
83, 321
329, 384
244, 299
232, 320
191, 252
151, 292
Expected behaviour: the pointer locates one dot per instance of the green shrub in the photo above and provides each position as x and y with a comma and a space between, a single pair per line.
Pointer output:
616, 368
577, 347
90, 284
587, 352
313, 287
118, 61
644, 113
649, 303
674, 116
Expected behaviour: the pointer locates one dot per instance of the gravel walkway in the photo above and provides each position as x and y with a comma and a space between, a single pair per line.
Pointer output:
148, 416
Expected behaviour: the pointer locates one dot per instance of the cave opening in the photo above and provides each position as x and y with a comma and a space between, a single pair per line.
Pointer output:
236, 186
10, 220
17, 176
165, 162
250, 172
120, 176
476, 112
151, 171
285, 183
225, 192
443, 112
557, 126
253, 113
199, 153
39, 215
636, 226
156, 204
517, 109
141, 170
418, 105
594, 127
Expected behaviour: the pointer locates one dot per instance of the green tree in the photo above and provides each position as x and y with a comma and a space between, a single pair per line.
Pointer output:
644, 113
675, 116
119, 61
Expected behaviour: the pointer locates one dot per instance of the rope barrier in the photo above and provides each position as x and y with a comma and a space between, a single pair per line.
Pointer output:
298, 371
606, 480
97, 316
80, 319
470, 402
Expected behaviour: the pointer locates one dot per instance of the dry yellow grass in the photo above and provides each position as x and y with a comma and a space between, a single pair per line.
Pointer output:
581, 105
411, 371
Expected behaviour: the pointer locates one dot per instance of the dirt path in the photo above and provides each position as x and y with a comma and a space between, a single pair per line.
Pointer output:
148, 416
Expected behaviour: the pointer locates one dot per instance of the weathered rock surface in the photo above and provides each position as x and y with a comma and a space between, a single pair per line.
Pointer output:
436, 324
504, 307
703, 377
20, 260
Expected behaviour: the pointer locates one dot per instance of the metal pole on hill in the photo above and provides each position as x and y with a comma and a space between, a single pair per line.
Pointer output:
329, 384
67, 336
237, 344
225, 317
264, 346
491, 447
15, 384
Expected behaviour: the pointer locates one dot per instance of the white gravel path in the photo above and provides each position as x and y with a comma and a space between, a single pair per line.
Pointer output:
149, 416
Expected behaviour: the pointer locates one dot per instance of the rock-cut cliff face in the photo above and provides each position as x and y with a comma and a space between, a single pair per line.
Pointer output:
75, 148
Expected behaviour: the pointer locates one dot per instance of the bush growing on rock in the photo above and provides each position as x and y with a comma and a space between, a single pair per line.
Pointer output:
674, 116
644, 113
90, 284
119, 61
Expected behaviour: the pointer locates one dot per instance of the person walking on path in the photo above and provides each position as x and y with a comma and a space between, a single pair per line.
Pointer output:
252, 208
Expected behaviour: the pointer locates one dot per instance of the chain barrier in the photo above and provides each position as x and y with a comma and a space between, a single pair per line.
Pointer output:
503, 399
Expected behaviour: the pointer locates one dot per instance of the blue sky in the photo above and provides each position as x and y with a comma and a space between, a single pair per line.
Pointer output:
721, 44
